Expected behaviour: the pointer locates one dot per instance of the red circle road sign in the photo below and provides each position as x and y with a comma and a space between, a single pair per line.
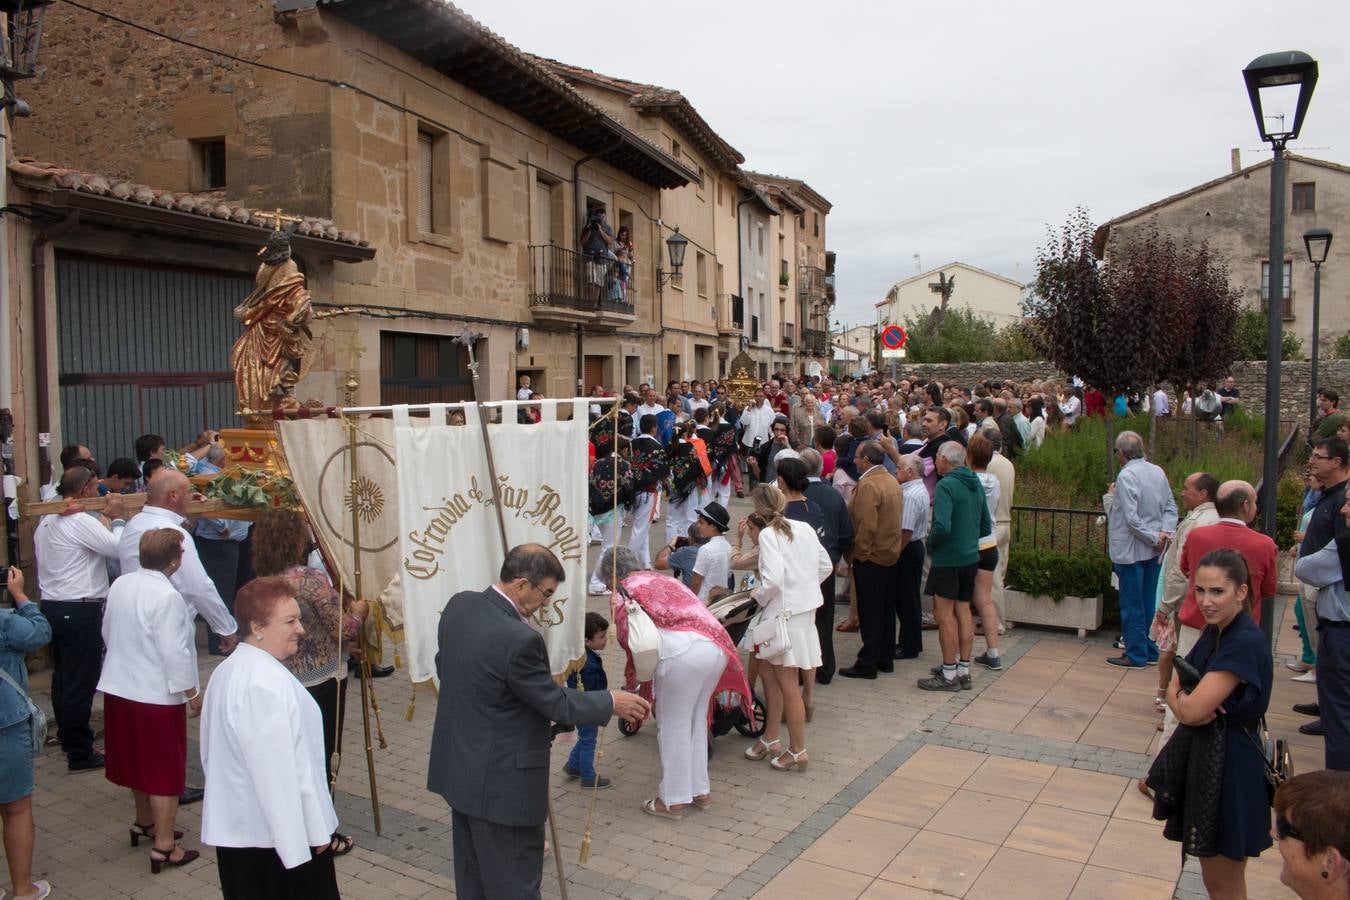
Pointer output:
893, 337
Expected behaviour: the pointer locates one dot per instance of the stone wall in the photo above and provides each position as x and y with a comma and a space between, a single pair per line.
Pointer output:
1295, 379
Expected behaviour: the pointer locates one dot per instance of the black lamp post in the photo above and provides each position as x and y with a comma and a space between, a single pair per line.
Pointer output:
676, 244
1318, 243
1270, 79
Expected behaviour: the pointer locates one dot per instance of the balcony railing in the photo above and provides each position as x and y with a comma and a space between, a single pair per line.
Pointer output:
562, 277
730, 314
815, 342
811, 282
789, 334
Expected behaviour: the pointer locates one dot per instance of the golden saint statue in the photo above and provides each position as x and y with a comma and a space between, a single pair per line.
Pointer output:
272, 354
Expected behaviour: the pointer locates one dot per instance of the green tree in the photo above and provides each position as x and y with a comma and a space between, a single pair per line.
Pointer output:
1250, 332
960, 336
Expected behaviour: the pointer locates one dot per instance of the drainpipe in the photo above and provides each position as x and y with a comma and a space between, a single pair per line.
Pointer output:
41, 382
740, 273
581, 223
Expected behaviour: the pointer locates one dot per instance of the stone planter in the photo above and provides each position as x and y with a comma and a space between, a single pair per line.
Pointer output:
1083, 614
1284, 569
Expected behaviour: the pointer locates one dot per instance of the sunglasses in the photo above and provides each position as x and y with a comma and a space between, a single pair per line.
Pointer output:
1284, 830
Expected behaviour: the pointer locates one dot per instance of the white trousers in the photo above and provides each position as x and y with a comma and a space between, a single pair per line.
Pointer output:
721, 491
643, 512
679, 516
611, 528
1186, 638
1003, 533
683, 687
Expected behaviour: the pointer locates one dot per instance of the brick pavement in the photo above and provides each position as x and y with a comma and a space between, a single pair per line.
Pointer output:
878, 749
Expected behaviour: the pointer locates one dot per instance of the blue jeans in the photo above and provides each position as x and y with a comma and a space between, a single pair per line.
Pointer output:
583, 754
1138, 602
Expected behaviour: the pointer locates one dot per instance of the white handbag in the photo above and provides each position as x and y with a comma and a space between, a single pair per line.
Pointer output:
644, 642
769, 637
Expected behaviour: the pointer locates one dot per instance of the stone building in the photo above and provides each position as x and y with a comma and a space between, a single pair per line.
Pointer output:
811, 276
438, 175
987, 294
1232, 213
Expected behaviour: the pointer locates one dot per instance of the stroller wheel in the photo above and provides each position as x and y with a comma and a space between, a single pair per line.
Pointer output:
754, 727
629, 730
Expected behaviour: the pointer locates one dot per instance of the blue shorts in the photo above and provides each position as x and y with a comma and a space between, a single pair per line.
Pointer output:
16, 761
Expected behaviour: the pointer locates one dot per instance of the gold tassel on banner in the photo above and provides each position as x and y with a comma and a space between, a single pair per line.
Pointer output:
595, 790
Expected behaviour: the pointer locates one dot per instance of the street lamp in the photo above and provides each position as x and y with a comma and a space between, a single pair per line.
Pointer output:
1318, 243
1270, 80
676, 244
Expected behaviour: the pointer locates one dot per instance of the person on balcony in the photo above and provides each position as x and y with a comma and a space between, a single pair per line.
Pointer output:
598, 245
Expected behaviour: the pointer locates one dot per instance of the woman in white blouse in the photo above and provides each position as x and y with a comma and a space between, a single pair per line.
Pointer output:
149, 685
267, 809
792, 564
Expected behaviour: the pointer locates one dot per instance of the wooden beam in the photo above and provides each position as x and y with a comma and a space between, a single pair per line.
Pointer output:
213, 509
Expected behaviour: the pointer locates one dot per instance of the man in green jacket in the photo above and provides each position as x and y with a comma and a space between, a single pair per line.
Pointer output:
960, 516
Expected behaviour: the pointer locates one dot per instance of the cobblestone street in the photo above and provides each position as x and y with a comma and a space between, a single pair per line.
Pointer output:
1022, 787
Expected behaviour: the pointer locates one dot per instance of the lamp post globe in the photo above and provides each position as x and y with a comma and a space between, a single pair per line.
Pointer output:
676, 244
1271, 80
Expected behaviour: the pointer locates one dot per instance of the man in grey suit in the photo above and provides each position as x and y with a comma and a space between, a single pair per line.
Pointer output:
490, 742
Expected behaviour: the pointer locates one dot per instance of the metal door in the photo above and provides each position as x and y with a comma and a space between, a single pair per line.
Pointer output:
143, 349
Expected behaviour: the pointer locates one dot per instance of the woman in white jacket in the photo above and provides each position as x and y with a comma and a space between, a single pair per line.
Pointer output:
792, 564
267, 809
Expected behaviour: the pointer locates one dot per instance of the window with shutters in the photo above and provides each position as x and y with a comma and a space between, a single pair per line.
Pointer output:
430, 211
423, 368
1288, 312
1305, 196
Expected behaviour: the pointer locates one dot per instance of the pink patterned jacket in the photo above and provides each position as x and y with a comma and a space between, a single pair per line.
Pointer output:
673, 607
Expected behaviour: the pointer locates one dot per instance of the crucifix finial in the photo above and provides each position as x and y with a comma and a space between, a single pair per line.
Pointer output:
279, 217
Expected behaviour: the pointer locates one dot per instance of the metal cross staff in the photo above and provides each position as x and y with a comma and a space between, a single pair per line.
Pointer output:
468, 339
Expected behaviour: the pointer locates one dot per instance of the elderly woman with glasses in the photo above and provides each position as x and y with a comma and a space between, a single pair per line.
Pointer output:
1312, 832
697, 660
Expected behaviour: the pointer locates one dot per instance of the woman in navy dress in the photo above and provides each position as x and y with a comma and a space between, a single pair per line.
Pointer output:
1236, 667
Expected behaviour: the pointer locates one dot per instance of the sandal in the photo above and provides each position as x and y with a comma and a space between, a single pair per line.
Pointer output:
1160, 701
760, 749
160, 858
139, 831
847, 625
703, 801
654, 807
798, 761
340, 844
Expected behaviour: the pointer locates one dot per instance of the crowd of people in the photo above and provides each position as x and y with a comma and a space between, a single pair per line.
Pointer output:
892, 496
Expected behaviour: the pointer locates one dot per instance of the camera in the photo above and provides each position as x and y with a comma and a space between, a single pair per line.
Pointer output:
593, 219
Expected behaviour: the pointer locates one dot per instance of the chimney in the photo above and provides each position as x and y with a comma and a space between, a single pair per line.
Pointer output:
1237, 160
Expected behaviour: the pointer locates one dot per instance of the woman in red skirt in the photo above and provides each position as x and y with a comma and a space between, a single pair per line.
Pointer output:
149, 686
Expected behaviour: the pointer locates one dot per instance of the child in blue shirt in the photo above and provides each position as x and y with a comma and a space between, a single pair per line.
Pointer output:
581, 764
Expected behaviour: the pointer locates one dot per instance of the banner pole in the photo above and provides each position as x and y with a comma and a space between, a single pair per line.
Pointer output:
361, 635
468, 339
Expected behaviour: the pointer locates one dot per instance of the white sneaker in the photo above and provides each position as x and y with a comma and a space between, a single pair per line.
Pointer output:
1308, 677
1298, 665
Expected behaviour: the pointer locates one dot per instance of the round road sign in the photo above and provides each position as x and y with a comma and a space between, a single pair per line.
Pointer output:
893, 337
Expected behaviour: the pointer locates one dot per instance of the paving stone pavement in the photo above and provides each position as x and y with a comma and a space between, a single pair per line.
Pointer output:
867, 737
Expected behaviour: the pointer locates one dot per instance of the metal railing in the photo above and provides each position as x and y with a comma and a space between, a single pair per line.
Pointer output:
1054, 528
810, 281
815, 341
730, 312
562, 277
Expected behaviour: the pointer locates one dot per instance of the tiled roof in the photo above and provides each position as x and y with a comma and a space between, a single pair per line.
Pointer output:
801, 189
211, 204
1103, 232
655, 100
449, 40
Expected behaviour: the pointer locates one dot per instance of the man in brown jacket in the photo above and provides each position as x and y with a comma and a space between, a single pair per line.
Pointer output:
875, 509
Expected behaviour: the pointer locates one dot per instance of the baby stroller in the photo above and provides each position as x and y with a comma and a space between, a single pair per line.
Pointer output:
734, 612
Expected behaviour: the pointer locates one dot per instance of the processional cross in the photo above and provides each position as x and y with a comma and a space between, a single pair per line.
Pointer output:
279, 217
354, 350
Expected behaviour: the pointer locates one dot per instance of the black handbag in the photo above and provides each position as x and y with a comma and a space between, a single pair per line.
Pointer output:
1275, 754
1188, 676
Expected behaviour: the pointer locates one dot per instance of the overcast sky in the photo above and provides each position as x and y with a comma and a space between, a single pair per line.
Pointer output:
959, 131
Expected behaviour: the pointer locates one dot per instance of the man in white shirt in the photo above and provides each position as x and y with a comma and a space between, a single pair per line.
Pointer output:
698, 401
72, 550
706, 565
756, 422
1001, 468
650, 406
914, 517
1161, 406
221, 546
166, 507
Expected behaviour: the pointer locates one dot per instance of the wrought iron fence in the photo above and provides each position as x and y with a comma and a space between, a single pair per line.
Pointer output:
562, 277
1055, 528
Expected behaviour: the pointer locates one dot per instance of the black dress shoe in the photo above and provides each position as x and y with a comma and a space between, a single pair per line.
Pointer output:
900, 654
855, 672
94, 760
191, 795
381, 671
1307, 709
1314, 728
823, 679
887, 669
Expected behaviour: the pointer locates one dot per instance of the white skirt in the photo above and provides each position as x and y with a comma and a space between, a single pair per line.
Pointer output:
803, 642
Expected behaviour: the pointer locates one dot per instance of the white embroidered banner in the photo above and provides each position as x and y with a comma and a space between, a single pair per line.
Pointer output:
448, 530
